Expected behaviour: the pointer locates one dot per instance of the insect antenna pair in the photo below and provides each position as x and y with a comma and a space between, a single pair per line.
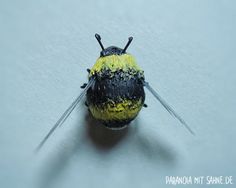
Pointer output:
98, 37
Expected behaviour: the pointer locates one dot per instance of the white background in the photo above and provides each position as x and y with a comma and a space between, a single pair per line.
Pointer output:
187, 50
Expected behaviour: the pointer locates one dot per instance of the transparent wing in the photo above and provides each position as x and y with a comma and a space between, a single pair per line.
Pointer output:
167, 107
66, 114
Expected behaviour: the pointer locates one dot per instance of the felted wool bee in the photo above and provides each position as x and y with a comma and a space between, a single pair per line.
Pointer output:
115, 90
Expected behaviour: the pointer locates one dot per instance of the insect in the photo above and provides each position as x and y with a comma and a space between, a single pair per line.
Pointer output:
115, 90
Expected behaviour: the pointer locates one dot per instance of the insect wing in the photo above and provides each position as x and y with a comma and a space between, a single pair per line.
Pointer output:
167, 107
66, 114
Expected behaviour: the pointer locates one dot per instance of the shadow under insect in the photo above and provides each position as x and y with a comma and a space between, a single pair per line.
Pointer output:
154, 149
105, 140
102, 137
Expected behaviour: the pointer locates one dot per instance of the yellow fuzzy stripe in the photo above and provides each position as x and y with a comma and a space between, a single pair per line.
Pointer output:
127, 109
114, 63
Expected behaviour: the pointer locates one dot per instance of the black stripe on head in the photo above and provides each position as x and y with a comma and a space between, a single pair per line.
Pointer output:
112, 50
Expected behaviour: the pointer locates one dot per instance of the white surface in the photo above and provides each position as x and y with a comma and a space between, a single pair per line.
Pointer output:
187, 49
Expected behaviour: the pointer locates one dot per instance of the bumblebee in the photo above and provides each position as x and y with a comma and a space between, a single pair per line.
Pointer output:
115, 90
117, 95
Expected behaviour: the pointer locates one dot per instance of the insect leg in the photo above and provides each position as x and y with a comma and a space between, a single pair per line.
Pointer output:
83, 86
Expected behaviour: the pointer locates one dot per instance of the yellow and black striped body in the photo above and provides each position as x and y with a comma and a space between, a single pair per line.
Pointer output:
117, 95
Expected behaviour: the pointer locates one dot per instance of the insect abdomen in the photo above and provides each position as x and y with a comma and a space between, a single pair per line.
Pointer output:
117, 97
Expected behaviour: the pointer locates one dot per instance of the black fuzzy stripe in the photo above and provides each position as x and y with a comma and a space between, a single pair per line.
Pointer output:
116, 86
116, 124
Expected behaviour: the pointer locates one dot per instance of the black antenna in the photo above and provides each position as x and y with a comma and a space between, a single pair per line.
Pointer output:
127, 45
98, 37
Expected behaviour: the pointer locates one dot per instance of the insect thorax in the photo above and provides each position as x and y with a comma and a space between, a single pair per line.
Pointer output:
117, 95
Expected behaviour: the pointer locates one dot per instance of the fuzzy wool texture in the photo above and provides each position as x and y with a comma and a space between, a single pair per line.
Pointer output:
187, 51
115, 63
